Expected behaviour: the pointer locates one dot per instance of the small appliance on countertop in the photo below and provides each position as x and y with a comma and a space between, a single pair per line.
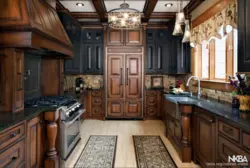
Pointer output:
70, 111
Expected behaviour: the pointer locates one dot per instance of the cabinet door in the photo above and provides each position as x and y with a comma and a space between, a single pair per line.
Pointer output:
115, 76
133, 76
92, 36
134, 37
183, 56
98, 59
151, 111
173, 56
150, 36
133, 108
34, 142
243, 36
150, 58
73, 66
115, 37
205, 137
115, 108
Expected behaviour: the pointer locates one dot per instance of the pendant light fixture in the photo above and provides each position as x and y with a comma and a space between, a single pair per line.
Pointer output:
124, 17
177, 27
187, 33
180, 17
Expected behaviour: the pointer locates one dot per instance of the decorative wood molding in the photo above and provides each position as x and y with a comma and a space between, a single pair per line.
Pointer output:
80, 15
59, 5
216, 85
216, 8
148, 9
101, 9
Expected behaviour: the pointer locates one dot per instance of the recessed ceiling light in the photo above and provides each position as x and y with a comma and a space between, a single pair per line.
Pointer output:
80, 4
168, 5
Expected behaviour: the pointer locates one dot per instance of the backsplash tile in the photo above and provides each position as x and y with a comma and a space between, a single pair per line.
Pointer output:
90, 81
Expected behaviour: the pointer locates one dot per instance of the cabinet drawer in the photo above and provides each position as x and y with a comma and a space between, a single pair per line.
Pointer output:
227, 148
96, 101
97, 111
151, 93
151, 111
229, 131
151, 100
246, 140
96, 93
11, 135
13, 156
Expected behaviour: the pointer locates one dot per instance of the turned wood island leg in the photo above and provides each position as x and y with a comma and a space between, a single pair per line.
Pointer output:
186, 133
51, 159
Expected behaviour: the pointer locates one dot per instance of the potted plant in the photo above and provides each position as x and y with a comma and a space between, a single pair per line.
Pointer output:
241, 91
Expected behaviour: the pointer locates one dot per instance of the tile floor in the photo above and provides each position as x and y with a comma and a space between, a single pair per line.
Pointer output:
125, 156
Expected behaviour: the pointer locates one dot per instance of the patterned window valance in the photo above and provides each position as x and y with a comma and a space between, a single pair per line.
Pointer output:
212, 27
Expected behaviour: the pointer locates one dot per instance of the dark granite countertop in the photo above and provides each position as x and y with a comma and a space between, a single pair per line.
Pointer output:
8, 119
224, 110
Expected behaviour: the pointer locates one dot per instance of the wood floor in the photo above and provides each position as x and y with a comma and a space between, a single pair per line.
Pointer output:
125, 156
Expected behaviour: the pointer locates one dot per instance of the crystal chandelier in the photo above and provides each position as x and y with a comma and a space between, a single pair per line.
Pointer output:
124, 17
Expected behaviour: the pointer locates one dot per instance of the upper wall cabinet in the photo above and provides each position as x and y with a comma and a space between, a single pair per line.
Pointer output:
117, 37
166, 53
73, 30
243, 36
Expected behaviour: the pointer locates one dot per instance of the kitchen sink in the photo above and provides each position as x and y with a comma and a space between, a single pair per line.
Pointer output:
183, 99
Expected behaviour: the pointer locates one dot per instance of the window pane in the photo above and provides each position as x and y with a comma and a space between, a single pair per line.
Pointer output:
205, 60
220, 58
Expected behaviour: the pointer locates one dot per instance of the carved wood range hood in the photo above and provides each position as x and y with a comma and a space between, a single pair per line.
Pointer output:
33, 24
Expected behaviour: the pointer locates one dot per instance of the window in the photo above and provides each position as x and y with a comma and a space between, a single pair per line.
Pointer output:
217, 58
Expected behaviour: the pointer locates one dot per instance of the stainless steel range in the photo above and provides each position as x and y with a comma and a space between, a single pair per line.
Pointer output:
70, 111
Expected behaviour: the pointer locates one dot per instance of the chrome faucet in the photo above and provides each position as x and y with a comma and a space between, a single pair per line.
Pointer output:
199, 85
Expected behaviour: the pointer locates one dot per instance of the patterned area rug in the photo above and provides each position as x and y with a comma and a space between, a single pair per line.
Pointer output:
99, 152
151, 153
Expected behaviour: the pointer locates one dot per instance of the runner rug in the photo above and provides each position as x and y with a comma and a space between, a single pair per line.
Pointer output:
151, 153
99, 152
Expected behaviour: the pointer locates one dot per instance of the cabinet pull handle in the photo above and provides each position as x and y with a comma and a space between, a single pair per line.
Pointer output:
228, 130
98, 55
151, 100
14, 135
13, 159
204, 117
121, 78
20, 81
159, 57
89, 57
127, 77
150, 57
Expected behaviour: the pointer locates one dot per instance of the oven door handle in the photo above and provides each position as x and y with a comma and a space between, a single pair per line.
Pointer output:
73, 120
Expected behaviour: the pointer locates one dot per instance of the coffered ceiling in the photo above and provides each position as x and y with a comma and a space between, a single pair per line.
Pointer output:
152, 10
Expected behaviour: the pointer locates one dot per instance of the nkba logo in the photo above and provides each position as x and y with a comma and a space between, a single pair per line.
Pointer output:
237, 158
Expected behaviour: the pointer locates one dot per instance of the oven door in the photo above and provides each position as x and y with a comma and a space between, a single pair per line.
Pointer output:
70, 134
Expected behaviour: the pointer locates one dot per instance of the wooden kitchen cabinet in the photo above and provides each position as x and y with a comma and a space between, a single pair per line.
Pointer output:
124, 84
124, 37
11, 80
243, 35
94, 104
166, 53
34, 142
204, 137
153, 104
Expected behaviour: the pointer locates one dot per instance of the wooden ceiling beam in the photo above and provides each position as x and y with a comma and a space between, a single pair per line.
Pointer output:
192, 5
162, 15
148, 9
81, 15
101, 9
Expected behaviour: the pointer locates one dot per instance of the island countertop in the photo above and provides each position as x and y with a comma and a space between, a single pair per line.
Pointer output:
8, 119
224, 110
